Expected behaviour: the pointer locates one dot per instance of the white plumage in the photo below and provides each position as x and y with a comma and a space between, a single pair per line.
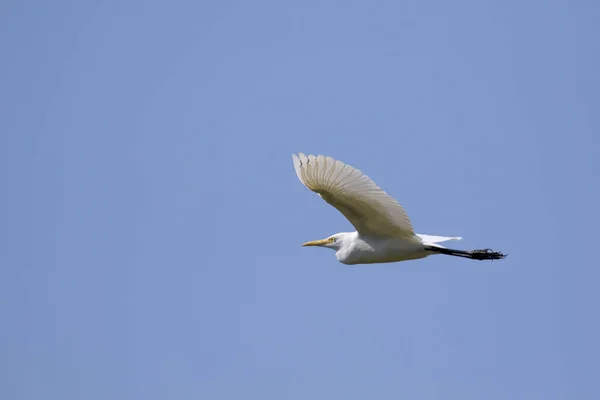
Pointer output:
384, 232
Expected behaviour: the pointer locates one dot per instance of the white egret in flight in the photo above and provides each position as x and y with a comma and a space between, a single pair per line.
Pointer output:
384, 232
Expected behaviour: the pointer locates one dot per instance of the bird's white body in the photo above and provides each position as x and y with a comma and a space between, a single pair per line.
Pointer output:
356, 249
384, 232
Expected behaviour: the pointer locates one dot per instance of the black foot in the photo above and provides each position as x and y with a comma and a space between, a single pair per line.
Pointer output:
487, 254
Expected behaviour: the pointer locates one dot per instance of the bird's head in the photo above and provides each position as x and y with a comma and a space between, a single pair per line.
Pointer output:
334, 242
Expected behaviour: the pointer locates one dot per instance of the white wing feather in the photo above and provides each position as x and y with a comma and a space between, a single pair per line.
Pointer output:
368, 208
437, 239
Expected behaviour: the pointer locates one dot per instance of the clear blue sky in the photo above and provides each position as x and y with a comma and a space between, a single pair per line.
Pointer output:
151, 218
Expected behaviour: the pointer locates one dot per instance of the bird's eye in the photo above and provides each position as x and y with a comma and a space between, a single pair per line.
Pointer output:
331, 239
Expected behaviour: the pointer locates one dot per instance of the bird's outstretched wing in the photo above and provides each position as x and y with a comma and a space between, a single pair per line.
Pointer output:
368, 208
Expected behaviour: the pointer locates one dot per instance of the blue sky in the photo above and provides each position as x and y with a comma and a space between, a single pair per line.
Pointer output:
152, 219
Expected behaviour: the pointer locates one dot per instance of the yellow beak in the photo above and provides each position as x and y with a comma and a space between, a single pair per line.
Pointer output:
315, 243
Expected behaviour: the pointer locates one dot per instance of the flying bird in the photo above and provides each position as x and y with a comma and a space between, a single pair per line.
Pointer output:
384, 232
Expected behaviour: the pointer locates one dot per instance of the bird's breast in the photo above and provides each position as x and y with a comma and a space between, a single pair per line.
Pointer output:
381, 251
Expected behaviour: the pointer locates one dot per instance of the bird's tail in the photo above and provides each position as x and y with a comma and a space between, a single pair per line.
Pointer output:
483, 254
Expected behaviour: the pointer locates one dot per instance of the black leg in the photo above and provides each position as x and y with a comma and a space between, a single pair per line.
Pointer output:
482, 254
